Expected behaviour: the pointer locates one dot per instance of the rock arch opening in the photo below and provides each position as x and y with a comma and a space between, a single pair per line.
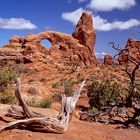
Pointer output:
46, 43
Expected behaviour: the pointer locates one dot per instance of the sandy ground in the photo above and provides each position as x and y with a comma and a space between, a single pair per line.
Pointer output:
78, 130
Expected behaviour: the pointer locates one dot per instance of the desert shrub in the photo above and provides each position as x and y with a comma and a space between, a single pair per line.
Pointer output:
137, 94
56, 97
68, 88
94, 110
32, 102
104, 93
7, 98
7, 78
32, 90
55, 85
45, 103
62, 81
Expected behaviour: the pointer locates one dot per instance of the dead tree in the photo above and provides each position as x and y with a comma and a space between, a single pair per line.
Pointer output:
134, 63
131, 73
37, 121
127, 109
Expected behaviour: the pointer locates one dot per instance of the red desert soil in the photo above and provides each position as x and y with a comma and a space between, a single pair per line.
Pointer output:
78, 130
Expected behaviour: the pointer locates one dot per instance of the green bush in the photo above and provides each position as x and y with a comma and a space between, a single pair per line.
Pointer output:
55, 85
7, 98
45, 103
62, 81
7, 78
137, 94
104, 93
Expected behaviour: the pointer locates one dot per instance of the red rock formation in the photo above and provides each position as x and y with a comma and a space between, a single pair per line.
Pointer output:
108, 59
85, 33
75, 48
133, 45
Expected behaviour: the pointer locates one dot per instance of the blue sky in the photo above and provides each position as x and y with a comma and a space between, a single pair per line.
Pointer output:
114, 20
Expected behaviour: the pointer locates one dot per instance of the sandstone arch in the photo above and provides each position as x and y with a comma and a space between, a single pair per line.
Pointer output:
63, 45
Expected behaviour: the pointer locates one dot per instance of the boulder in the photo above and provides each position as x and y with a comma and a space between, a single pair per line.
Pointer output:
108, 59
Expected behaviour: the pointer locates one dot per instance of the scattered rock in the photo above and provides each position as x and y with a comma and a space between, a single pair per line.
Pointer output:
108, 59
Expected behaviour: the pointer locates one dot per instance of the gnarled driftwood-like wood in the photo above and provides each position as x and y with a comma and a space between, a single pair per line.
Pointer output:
37, 121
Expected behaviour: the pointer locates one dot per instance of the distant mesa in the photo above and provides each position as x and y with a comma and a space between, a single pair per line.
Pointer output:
78, 47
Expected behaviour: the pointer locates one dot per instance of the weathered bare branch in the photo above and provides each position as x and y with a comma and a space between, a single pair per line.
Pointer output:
38, 121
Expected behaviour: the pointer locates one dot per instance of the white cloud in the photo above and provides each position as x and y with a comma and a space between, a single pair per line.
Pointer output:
73, 16
107, 5
100, 23
16, 23
100, 55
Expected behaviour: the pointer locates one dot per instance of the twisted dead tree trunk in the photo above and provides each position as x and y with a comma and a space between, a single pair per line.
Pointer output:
37, 121
131, 73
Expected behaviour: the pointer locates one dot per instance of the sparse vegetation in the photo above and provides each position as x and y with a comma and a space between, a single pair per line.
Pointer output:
126, 106
7, 98
42, 103
45, 103
55, 85
67, 84
7, 78
68, 88
33, 90
56, 97
104, 93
